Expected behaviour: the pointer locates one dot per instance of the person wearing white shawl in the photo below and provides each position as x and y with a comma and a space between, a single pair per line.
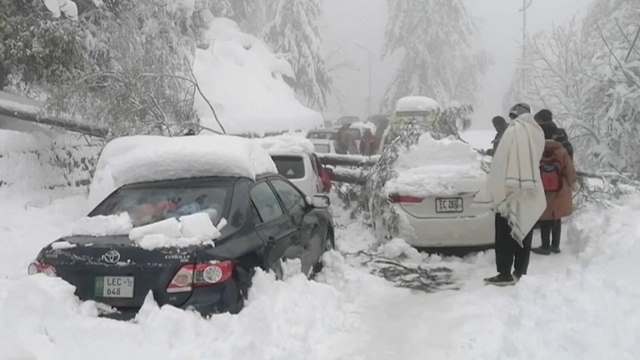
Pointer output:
515, 190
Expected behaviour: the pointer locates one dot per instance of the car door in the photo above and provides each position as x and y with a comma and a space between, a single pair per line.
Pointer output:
273, 225
307, 243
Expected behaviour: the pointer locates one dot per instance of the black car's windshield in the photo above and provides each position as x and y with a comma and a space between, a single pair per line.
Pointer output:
154, 202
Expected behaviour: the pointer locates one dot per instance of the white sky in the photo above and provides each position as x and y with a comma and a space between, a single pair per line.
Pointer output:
351, 22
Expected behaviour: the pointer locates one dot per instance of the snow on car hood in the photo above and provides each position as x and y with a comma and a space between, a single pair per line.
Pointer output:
437, 167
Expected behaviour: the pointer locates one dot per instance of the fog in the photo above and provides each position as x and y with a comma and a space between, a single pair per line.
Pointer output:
352, 26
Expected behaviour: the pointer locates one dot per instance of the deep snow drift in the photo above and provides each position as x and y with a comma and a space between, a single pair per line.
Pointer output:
580, 304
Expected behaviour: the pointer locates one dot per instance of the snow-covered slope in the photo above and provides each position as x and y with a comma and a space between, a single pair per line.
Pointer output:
242, 78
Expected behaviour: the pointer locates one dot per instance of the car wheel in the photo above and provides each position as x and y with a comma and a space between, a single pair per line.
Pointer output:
329, 244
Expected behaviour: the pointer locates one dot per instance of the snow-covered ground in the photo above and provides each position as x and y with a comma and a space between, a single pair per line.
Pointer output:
580, 304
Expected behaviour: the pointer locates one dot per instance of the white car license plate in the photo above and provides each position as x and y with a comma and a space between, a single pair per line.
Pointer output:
114, 286
449, 205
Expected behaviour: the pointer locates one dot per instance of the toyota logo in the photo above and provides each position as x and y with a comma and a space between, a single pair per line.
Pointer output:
111, 257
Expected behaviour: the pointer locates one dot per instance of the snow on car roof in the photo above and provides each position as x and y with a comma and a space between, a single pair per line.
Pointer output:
133, 159
437, 167
286, 144
416, 103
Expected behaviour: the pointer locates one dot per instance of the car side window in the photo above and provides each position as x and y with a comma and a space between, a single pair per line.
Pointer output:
290, 196
265, 202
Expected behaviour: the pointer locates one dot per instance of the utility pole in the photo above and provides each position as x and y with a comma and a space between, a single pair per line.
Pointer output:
526, 4
370, 71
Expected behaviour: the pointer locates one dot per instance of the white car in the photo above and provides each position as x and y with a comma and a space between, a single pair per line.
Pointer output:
323, 140
296, 160
323, 146
433, 194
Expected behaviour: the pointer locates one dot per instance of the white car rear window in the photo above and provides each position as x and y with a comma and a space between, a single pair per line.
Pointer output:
291, 167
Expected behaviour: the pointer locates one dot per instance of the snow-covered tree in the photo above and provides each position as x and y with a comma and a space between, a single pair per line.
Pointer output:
37, 50
434, 39
136, 77
294, 33
588, 74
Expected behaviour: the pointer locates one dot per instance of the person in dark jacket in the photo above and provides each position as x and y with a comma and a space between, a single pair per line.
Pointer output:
343, 140
559, 203
368, 143
500, 124
544, 117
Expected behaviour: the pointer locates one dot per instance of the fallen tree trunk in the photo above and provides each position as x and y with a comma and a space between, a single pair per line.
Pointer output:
350, 176
29, 110
348, 160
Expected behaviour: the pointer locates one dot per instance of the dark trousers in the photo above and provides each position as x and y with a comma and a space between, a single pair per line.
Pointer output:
508, 252
550, 232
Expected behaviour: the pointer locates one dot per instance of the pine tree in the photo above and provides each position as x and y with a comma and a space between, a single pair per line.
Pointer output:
294, 33
434, 38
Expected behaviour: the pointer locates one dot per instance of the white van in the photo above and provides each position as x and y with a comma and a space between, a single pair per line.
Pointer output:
296, 160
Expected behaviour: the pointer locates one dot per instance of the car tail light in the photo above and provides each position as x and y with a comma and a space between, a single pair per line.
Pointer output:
38, 267
200, 275
405, 199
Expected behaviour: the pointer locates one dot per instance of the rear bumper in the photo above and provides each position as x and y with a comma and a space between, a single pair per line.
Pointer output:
221, 298
477, 231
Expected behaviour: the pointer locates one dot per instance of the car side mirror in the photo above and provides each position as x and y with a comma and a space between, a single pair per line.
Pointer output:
319, 201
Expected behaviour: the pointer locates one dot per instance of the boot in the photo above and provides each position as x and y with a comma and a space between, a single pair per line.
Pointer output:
542, 250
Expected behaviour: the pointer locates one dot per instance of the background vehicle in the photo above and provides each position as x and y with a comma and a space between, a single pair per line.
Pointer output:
322, 146
295, 159
261, 221
323, 140
322, 134
302, 169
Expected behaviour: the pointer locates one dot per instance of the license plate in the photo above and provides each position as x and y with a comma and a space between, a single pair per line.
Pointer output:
114, 286
449, 205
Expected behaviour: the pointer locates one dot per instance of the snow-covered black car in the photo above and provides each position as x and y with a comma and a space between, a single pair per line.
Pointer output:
192, 242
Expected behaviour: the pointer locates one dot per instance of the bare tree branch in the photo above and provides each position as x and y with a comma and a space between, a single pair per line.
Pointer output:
215, 115
615, 57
